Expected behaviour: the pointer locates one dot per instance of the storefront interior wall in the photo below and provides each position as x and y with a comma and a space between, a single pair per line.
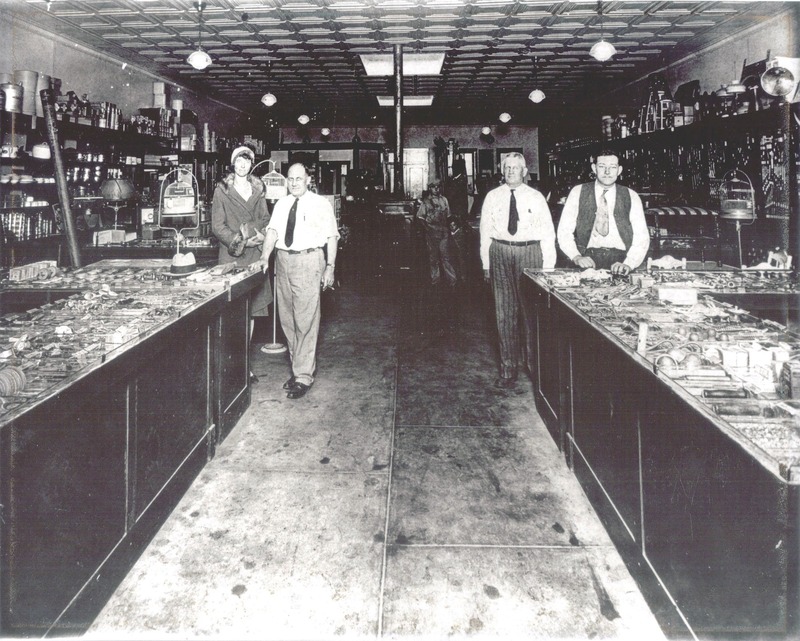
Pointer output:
100, 78
722, 63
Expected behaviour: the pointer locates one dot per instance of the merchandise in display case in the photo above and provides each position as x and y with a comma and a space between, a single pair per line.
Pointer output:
675, 397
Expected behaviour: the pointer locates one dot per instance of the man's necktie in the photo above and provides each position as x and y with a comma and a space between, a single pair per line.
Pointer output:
513, 216
601, 223
289, 237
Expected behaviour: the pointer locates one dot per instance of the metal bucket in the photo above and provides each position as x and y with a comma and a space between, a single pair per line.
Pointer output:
28, 80
13, 94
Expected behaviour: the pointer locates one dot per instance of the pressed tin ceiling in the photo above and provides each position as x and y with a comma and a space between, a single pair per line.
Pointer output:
308, 53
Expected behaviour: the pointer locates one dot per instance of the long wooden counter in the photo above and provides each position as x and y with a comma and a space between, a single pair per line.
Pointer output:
706, 517
92, 465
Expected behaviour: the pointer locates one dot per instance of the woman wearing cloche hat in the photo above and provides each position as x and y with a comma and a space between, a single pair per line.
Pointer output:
239, 215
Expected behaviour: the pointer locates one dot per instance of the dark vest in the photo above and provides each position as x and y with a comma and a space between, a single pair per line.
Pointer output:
587, 209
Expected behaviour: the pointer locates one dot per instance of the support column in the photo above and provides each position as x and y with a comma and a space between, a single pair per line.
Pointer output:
399, 188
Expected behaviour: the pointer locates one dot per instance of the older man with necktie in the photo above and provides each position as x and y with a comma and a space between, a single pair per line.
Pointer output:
302, 224
517, 232
602, 224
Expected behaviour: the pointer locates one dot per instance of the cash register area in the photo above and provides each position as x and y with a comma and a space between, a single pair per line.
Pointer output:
403, 497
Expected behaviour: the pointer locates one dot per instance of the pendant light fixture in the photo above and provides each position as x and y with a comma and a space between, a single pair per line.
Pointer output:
268, 99
537, 95
504, 117
199, 59
602, 50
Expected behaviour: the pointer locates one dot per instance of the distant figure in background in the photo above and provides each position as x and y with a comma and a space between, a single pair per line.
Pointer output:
433, 214
239, 216
302, 224
457, 251
602, 224
516, 233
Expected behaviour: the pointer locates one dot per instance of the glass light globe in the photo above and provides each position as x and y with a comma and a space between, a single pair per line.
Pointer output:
325, 131
505, 117
268, 100
486, 131
602, 50
303, 119
537, 95
199, 59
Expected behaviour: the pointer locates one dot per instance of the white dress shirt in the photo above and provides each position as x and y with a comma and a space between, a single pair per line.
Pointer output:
315, 221
640, 242
535, 221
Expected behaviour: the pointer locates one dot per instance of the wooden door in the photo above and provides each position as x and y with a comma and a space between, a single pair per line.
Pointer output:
415, 171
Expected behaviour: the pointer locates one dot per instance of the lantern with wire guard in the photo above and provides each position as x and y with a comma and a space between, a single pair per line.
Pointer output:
737, 202
116, 192
179, 211
275, 184
275, 187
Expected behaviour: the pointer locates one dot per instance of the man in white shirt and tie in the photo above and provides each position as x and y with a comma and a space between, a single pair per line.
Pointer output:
602, 224
516, 233
302, 224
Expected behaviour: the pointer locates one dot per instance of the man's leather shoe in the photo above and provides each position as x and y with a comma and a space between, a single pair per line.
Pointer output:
505, 383
290, 383
298, 391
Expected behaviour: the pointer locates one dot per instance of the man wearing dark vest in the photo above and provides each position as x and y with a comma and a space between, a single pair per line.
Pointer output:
602, 224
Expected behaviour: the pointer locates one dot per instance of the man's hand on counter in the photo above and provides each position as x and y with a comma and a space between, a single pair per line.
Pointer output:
584, 262
620, 269
262, 264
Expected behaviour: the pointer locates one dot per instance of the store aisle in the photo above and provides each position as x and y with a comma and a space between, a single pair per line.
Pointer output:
403, 497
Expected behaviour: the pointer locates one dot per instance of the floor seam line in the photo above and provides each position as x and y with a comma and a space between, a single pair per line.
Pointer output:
390, 468
510, 546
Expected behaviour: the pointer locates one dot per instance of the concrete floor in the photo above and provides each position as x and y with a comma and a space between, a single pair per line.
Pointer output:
404, 497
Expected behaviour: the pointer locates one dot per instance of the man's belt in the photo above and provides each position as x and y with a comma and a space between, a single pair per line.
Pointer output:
516, 243
301, 251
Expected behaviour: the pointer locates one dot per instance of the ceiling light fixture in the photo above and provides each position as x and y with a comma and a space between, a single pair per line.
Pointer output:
505, 117
268, 99
408, 101
537, 95
325, 132
414, 64
199, 59
303, 119
486, 131
602, 50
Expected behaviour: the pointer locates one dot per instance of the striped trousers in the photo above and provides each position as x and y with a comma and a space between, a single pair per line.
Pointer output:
506, 264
